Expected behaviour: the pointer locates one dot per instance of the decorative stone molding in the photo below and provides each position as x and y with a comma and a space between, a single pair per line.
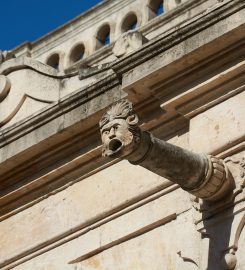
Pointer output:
5, 86
20, 63
38, 88
128, 42
237, 164
85, 71
31, 85
236, 174
204, 176
216, 181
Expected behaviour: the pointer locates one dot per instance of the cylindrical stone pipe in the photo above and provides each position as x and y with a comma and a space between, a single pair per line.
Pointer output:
170, 161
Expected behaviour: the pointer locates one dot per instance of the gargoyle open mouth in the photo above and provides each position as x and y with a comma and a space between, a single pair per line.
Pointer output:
115, 145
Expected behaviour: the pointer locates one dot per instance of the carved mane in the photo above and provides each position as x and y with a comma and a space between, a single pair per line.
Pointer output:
120, 110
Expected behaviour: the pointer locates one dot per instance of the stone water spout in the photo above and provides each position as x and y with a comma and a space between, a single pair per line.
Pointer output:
204, 176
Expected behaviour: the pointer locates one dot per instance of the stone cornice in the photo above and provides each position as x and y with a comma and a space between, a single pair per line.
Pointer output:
27, 63
157, 22
76, 106
128, 62
188, 29
173, 37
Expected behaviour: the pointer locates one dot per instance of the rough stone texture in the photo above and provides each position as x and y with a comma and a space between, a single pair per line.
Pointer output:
66, 207
224, 123
63, 205
133, 224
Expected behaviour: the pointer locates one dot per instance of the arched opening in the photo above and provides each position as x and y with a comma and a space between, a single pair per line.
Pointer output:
77, 53
54, 61
103, 36
159, 9
129, 23
156, 8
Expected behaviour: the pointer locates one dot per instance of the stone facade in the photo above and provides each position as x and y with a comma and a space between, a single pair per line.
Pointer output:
65, 206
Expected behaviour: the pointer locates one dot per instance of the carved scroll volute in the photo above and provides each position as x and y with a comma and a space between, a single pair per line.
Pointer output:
204, 176
5, 86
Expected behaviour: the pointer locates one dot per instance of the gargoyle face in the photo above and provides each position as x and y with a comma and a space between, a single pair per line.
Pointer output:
117, 138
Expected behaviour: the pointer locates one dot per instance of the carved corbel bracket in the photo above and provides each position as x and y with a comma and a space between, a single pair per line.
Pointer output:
204, 176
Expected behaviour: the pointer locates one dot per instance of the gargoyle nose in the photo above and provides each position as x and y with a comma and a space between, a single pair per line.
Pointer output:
112, 134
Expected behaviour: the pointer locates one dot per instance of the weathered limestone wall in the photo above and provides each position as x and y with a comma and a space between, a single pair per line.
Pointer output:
64, 206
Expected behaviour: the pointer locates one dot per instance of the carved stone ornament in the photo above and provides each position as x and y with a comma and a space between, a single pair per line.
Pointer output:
204, 176
119, 130
5, 55
128, 42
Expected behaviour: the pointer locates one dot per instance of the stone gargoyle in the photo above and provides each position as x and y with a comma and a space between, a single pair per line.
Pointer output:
204, 176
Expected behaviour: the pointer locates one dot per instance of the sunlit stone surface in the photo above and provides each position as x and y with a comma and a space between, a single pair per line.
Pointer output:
65, 206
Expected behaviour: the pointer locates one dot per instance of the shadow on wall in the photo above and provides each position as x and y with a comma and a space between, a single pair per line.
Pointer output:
219, 235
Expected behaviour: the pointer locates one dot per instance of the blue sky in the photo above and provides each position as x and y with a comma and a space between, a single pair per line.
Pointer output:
27, 20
